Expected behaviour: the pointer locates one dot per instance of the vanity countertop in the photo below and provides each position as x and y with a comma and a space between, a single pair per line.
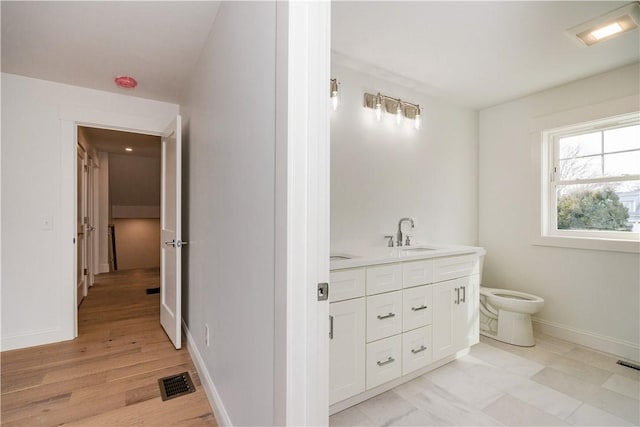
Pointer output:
382, 255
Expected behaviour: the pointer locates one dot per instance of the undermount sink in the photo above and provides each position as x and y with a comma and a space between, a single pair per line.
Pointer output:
418, 249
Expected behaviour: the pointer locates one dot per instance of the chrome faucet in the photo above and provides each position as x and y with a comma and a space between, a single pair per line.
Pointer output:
399, 236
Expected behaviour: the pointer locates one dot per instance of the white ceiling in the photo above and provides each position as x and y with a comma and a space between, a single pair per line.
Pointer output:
476, 54
473, 53
87, 43
113, 141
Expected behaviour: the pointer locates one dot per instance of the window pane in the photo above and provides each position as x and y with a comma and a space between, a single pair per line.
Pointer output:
610, 206
581, 168
580, 145
622, 164
627, 138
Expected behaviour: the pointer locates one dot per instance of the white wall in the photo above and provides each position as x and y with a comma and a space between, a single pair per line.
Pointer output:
38, 155
381, 172
137, 242
590, 296
228, 216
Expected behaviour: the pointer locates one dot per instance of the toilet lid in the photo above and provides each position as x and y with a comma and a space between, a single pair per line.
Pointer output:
512, 296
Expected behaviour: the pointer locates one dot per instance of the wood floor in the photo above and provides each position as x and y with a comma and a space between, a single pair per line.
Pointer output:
108, 376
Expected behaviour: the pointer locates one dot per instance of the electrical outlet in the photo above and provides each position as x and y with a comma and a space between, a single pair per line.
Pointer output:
206, 335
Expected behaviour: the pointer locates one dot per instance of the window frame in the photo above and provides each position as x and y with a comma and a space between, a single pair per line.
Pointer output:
548, 234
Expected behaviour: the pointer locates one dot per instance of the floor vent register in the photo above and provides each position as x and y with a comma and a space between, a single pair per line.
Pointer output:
175, 386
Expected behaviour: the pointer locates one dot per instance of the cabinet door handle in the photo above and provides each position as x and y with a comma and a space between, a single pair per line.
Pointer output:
330, 327
464, 294
386, 362
386, 316
457, 301
418, 350
422, 307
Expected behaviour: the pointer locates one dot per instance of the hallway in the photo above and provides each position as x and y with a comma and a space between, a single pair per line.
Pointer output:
109, 374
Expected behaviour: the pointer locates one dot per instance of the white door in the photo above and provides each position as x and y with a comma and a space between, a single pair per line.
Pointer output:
346, 349
468, 323
171, 243
445, 295
81, 212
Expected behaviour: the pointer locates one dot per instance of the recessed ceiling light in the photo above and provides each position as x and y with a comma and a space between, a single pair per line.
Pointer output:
128, 149
608, 26
126, 82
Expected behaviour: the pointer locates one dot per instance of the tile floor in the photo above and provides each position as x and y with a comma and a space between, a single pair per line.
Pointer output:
552, 384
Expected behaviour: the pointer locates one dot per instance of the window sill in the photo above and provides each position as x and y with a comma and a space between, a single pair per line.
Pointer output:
589, 243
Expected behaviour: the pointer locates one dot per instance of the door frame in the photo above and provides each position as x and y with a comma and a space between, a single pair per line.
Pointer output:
71, 117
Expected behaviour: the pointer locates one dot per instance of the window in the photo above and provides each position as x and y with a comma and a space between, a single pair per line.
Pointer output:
593, 187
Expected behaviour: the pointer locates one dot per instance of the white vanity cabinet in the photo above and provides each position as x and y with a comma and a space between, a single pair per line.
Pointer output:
393, 321
455, 315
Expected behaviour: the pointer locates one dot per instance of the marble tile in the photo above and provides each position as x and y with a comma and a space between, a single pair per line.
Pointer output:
415, 418
386, 408
350, 417
465, 387
466, 362
545, 398
514, 412
446, 408
536, 353
553, 344
579, 369
616, 404
567, 384
603, 361
505, 360
587, 415
623, 385
495, 377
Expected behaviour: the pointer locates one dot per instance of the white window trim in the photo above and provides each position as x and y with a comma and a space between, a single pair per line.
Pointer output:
541, 129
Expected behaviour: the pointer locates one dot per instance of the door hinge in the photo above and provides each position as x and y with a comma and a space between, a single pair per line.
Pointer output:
323, 291
85, 271
86, 168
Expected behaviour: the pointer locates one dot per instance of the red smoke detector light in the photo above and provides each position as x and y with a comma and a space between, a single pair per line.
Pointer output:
126, 82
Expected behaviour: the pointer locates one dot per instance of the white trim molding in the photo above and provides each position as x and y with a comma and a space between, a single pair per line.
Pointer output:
621, 348
219, 411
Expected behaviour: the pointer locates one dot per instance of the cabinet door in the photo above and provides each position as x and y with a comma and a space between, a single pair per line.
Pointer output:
384, 315
417, 307
384, 361
445, 304
346, 284
384, 278
347, 350
416, 349
467, 324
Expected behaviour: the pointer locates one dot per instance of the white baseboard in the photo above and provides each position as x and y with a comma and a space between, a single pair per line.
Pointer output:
621, 348
222, 417
103, 268
31, 339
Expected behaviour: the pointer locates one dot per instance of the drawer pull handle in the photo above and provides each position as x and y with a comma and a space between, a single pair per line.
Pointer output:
386, 362
418, 350
386, 316
422, 307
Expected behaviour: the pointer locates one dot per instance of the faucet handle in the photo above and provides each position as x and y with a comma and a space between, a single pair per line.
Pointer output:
390, 242
407, 241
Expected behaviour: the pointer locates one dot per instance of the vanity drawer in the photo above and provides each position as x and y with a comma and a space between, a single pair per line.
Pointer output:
384, 315
454, 267
384, 278
417, 273
384, 361
346, 284
416, 349
417, 307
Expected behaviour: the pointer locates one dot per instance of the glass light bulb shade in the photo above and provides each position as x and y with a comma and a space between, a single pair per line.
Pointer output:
335, 100
607, 31
378, 112
417, 121
399, 113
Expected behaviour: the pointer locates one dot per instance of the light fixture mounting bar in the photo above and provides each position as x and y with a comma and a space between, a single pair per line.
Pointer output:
392, 105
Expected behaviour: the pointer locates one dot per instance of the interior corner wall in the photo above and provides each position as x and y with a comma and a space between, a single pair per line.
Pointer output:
381, 172
228, 210
38, 187
590, 295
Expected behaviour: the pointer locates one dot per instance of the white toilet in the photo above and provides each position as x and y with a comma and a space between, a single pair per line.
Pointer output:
506, 315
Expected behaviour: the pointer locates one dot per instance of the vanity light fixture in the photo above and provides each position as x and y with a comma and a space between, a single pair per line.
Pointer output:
608, 26
333, 93
401, 109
